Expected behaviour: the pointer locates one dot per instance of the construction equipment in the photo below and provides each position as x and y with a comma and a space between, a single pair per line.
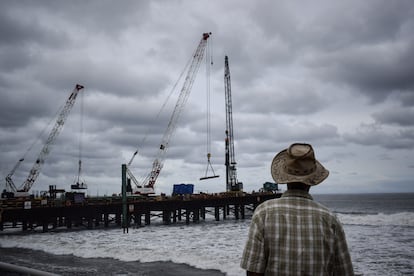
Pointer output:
231, 174
79, 184
147, 186
209, 167
208, 131
270, 187
11, 190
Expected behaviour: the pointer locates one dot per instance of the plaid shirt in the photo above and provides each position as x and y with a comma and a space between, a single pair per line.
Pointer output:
294, 235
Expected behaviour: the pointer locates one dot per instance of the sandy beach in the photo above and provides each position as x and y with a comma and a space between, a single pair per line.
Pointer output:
71, 265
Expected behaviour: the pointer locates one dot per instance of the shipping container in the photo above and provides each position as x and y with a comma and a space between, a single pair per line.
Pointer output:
183, 189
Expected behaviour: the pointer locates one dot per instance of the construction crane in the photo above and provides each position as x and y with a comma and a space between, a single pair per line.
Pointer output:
230, 161
147, 186
11, 190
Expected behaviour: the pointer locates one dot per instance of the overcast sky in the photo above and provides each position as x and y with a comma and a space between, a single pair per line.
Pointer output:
336, 74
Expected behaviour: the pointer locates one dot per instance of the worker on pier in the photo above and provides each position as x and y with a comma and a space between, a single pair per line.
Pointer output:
294, 235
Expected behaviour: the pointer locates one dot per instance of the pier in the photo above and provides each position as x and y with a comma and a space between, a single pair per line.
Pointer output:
97, 212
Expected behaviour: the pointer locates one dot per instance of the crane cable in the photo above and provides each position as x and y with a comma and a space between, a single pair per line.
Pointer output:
209, 63
79, 181
208, 101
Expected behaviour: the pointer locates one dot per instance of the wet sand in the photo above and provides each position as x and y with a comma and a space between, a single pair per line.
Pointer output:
71, 265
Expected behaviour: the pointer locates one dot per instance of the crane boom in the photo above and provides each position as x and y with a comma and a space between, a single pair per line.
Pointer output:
9, 181
149, 181
179, 106
35, 171
231, 174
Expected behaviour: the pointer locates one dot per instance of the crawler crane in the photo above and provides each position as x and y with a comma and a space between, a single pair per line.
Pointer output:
231, 174
11, 190
147, 186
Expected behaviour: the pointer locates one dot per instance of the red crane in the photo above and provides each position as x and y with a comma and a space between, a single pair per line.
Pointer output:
147, 186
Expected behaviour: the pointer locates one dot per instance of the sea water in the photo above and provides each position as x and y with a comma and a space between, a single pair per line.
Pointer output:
379, 230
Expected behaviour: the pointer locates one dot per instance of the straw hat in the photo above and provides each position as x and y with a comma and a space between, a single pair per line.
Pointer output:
298, 164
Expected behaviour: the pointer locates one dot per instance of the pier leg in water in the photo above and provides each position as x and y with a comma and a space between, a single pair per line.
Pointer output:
217, 213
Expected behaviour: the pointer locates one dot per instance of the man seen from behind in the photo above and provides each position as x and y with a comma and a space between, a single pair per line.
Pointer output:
294, 235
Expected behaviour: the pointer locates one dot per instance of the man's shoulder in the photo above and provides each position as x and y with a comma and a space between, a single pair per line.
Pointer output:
269, 203
293, 203
272, 204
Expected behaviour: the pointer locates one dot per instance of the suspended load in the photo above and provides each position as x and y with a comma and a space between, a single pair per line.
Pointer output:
209, 167
208, 101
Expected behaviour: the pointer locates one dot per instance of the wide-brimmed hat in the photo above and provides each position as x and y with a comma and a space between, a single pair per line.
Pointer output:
298, 164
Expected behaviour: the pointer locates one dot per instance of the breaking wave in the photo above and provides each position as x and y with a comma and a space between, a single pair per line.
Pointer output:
380, 219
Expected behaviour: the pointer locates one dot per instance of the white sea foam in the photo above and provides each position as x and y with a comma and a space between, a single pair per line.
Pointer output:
208, 246
377, 247
398, 219
379, 244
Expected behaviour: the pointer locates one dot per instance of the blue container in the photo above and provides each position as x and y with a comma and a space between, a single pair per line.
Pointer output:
189, 189
183, 189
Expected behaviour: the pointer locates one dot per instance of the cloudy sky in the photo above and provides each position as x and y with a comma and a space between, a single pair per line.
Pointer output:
336, 74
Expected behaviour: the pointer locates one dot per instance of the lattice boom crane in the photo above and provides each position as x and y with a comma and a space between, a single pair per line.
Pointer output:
148, 184
35, 171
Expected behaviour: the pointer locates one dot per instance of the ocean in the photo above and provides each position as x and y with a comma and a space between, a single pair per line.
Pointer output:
379, 230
